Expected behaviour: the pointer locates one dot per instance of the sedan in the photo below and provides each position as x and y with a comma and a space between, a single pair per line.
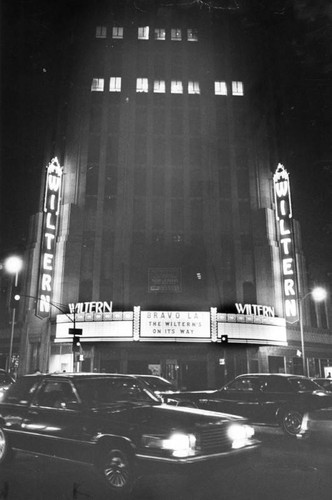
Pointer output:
116, 424
264, 398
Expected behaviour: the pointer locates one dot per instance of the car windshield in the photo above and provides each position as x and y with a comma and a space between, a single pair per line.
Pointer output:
158, 384
104, 391
303, 384
5, 378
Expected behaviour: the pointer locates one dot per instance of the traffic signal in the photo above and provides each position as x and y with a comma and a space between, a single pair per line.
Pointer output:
76, 343
15, 296
224, 339
76, 333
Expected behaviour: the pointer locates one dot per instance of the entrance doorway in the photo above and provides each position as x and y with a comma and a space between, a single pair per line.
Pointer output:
193, 375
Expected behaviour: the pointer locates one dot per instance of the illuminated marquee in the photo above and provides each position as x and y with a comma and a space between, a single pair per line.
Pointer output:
51, 213
286, 238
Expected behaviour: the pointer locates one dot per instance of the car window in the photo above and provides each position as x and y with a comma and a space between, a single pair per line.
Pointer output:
303, 384
100, 391
55, 394
158, 384
244, 384
275, 384
20, 392
5, 378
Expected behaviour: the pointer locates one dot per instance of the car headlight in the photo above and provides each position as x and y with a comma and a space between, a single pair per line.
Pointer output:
179, 444
240, 434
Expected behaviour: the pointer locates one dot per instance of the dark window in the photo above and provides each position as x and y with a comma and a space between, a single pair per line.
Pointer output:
244, 384
5, 378
105, 391
55, 394
20, 392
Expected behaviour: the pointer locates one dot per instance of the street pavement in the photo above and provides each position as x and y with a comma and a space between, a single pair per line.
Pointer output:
285, 470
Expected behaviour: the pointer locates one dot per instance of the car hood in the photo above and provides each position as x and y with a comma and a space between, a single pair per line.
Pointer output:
179, 416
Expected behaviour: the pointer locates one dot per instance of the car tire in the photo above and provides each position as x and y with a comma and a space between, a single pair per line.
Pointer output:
291, 421
117, 467
6, 452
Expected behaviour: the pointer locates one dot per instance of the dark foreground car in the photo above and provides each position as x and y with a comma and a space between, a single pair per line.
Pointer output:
263, 398
116, 424
6, 381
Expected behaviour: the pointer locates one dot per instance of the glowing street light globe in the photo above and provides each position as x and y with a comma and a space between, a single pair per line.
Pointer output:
13, 264
319, 294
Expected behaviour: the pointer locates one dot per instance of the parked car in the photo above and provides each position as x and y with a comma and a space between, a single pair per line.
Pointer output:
263, 398
6, 381
326, 383
116, 424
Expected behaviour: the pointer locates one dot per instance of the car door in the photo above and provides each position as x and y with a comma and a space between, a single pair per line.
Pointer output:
239, 397
55, 423
275, 393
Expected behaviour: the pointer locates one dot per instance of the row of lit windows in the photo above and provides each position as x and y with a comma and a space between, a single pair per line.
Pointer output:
160, 87
143, 33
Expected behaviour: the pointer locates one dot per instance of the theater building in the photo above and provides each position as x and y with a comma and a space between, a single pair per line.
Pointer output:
165, 232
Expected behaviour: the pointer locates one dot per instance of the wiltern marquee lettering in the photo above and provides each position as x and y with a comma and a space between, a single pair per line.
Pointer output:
284, 216
52, 195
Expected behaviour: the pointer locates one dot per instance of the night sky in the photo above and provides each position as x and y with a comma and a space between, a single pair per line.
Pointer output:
301, 32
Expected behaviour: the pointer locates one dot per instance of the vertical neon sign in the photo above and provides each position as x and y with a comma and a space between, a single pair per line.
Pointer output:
286, 238
48, 238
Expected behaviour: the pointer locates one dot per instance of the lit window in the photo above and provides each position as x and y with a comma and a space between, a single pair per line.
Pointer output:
192, 35
97, 85
117, 32
159, 34
176, 87
176, 34
115, 84
237, 88
159, 86
143, 33
101, 32
142, 85
220, 88
193, 88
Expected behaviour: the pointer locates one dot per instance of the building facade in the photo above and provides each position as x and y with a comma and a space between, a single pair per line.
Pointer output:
164, 233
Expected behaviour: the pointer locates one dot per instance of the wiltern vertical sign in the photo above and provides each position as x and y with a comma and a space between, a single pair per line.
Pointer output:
284, 216
51, 207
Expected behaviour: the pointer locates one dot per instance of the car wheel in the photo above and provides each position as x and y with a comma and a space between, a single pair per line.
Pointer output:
117, 467
6, 453
291, 421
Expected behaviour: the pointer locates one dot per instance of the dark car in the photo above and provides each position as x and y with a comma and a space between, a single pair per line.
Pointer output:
6, 381
116, 424
263, 398
326, 383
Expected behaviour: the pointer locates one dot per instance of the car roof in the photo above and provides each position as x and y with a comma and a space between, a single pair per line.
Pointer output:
281, 375
80, 375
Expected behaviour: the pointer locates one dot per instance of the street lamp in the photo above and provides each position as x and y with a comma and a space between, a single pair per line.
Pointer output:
318, 294
13, 265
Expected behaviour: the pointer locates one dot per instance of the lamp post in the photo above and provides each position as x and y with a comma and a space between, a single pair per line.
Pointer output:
318, 294
13, 265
